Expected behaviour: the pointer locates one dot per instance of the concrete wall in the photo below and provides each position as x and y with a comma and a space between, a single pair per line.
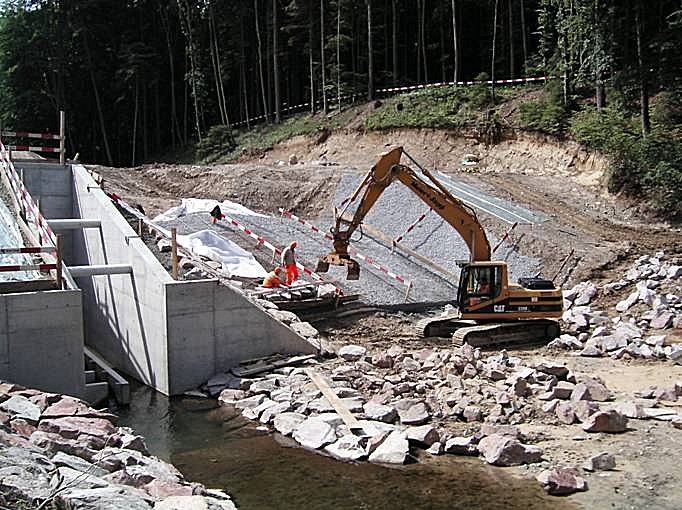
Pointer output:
211, 328
41, 341
125, 319
170, 335
51, 185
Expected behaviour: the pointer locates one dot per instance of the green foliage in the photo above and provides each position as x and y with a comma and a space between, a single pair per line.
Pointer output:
602, 130
442, 107
649, 168
666, 112
217, 143
548, 113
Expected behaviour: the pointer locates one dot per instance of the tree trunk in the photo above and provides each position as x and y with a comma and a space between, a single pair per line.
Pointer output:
311, 63
275, 63
523, 38
260, 64
185, 17
135, 115
455, 43
100, 113
176, 132
370, 54
394, 36
323, 62
215, 66
242, 77
643, 86
338, 54
422, 39
492, 65
512, 64
419, 41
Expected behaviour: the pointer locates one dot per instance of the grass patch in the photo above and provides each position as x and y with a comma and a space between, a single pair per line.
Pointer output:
441, 108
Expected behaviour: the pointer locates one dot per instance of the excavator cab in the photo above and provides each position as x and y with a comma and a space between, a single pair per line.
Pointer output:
479, 283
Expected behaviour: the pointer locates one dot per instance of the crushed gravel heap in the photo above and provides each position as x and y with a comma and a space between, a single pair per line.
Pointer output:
395, 210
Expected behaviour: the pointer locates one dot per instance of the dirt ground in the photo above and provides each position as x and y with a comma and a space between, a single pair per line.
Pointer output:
605, 233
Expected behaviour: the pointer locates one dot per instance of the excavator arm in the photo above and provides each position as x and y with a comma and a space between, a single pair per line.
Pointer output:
388, 169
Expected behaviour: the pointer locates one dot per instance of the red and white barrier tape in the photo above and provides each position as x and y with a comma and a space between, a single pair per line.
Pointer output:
28, 267
30, 148
24, 134
505, 236
261, 240
411, 227
353, 251
22, 195
31, 249
407, 88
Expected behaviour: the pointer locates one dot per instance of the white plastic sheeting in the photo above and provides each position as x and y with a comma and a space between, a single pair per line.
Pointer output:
10, 237
198, 205
235, 260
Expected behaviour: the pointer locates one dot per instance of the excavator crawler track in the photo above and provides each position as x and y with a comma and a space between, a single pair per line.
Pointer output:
488, 335
510, 333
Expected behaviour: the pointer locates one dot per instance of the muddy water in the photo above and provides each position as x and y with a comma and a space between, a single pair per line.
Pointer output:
263, 471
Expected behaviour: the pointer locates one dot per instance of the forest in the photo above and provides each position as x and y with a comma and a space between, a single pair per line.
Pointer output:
140, 78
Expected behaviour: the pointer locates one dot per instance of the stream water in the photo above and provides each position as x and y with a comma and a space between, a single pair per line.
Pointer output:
220, 449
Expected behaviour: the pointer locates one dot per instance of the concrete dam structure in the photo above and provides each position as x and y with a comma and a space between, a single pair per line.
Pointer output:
119, 305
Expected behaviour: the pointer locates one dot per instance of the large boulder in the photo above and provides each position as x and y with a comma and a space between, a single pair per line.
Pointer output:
393, 450
606, 421
506, 451
562, 481
313, 433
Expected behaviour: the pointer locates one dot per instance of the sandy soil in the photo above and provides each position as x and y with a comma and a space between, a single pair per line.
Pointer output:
605, 233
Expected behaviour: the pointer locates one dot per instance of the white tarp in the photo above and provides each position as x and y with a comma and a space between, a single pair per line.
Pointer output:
10, 237
197, 205
235, 260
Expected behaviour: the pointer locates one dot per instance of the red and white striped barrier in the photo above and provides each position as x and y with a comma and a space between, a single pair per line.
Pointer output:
28, 267
261, 240
24, 134
23, 197
32, 148
411, 227
505, 236
367, 260
407, 88
31, 249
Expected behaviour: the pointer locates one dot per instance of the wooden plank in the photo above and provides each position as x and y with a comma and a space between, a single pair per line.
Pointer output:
27, 286
260, 367
350, 420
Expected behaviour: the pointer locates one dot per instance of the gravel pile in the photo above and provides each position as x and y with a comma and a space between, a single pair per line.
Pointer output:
395, 210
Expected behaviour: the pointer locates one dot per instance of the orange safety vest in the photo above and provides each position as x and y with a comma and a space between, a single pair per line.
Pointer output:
272, 280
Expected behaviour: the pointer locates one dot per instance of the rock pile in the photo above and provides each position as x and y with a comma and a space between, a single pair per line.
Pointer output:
650, 307
54, 449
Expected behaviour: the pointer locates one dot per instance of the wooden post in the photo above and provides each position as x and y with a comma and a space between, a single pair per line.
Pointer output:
407, 292
140, 226
62, 144
59, 262
174, 252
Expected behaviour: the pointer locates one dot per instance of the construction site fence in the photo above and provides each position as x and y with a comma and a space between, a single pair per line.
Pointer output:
22, 135
388, 91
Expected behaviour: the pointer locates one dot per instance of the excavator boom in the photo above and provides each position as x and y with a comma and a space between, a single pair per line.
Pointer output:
387, 170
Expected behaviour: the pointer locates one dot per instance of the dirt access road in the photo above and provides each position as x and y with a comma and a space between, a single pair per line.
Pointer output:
559, 180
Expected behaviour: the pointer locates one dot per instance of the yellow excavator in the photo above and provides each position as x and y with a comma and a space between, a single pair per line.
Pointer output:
491, 310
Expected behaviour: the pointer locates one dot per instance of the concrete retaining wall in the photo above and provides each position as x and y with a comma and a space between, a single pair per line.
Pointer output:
170, 335
211, 328
51, 185
41, 341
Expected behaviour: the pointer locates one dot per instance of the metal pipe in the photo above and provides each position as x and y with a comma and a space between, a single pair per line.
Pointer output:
82, 271
73, 224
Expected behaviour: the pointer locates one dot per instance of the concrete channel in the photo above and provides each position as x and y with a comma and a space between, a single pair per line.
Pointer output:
118, 310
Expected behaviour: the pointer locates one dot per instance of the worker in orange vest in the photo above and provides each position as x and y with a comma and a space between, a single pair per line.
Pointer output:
289, 263
272, 279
